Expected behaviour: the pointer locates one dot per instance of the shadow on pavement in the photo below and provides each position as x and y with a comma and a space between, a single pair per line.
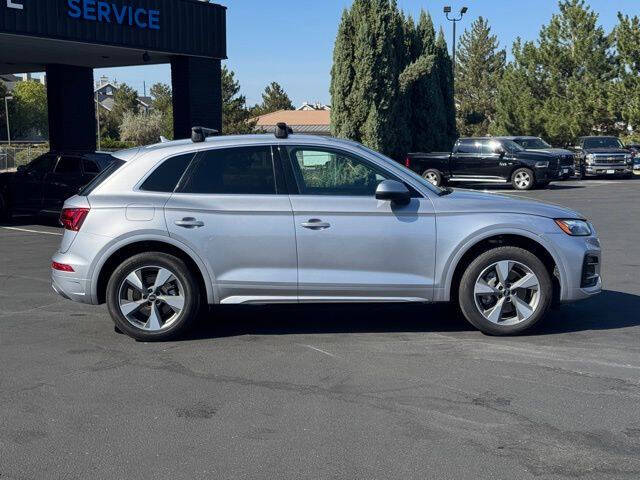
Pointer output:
509, 188
31, 220
609, 310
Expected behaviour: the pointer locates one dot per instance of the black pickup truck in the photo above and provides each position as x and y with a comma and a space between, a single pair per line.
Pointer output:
603, 156
487, 160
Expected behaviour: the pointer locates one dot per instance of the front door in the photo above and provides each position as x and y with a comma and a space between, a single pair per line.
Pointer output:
231, 210
352, 247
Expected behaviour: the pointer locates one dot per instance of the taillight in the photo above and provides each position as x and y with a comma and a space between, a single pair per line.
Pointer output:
63, 267
407, 162
73, 218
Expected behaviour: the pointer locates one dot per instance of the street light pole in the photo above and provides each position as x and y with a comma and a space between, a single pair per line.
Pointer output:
98, 118
454, 20
6, 112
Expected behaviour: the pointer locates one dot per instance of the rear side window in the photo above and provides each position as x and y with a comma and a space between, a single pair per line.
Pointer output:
101, 177
469, 146
165, 178
241, 170
68, 166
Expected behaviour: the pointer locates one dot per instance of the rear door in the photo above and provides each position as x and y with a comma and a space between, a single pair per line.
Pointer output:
26, 188
466, 160
233, 209
63, 182
351, 246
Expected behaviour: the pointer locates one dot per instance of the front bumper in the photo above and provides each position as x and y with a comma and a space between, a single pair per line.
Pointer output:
607, 170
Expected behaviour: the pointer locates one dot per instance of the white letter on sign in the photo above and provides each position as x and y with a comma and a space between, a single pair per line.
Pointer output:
13, 4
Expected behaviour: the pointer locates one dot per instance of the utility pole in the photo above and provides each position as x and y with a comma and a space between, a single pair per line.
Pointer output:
447, 11
98, 118
6, 112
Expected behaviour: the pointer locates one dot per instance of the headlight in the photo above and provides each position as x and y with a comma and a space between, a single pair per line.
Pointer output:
628, 158
590, 159
575, 228
543, 164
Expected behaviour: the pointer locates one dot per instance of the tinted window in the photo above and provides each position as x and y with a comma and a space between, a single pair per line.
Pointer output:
101, 177
68, 166
42, 165
602, 142
490, 147
165, 178
242, 170
532, 143
329, 172
469, 146
90, 167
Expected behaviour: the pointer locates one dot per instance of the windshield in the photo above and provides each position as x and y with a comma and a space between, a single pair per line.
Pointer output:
405, 170
511, 146
602, 142
532, 143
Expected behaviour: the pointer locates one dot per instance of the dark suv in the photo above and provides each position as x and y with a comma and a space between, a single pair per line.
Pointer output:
603, 156
537, 144
42, 186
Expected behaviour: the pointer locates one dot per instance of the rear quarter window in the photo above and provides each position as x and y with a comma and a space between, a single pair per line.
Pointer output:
165, 178
115, 164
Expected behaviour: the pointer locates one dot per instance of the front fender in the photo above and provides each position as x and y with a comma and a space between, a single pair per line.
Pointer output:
451, 252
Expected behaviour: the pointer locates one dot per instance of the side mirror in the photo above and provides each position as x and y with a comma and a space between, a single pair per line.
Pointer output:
393, 191
500, 151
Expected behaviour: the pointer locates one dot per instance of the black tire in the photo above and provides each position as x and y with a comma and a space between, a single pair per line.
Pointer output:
517, 184
467, 297
433, 176
190, 292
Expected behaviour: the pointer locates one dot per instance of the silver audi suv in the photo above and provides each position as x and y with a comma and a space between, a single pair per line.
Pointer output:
171, 228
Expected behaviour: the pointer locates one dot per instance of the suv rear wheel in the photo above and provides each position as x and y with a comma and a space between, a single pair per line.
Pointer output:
523, 179
153, 296
505, 291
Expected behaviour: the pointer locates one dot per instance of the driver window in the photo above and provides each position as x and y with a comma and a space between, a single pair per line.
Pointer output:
330, 172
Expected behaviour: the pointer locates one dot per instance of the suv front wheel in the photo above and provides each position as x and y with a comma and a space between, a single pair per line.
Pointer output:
505, 291
153, 296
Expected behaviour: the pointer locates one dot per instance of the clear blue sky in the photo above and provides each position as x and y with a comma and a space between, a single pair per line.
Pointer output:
291, 41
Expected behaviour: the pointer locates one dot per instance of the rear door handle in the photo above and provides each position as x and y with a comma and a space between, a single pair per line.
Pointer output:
189, 222
315, 224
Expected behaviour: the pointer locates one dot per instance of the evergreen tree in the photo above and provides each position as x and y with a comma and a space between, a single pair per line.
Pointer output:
625, 93
444, 68
3, 121
235, 115
577, 68
163, 104
28, 111
125, 100
274, 98
479, 68
369, 55
520, 95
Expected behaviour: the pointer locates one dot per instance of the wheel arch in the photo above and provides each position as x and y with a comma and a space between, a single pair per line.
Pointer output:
492, 239
117, 253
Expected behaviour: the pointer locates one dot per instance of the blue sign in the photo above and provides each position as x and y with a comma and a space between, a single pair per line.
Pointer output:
109, 12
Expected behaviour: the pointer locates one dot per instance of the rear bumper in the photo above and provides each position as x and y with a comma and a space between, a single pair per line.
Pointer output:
70, 287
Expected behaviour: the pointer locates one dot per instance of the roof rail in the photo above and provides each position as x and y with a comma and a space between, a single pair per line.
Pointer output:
282, 130
200, 134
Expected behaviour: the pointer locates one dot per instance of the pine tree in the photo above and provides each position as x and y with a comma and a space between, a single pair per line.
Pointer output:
235, 115
444, 69
578, 67
479, 67
367, 104
274, 98
625, 93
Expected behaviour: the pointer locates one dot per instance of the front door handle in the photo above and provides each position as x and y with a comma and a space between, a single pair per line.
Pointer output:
315, 224
189, 222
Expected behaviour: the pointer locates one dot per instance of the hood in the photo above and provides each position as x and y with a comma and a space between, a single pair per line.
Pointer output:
534, 155
554, 151
606, 150
481, 202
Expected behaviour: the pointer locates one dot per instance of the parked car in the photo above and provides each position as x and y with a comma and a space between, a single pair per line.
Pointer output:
259, 219
537, 144
603, 156
487, 160
42, 186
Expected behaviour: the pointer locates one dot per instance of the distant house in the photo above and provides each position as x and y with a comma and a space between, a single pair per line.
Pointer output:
10, 81
313, 122
105, 91
313, 106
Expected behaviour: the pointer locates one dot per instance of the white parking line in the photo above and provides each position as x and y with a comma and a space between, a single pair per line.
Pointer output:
321, 351
32, 231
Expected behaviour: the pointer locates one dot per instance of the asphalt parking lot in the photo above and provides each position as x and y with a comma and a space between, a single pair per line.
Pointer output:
325, 391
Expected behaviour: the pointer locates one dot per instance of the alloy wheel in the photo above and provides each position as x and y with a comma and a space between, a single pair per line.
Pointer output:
522, 180
507, 292
151, 298
431, 177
